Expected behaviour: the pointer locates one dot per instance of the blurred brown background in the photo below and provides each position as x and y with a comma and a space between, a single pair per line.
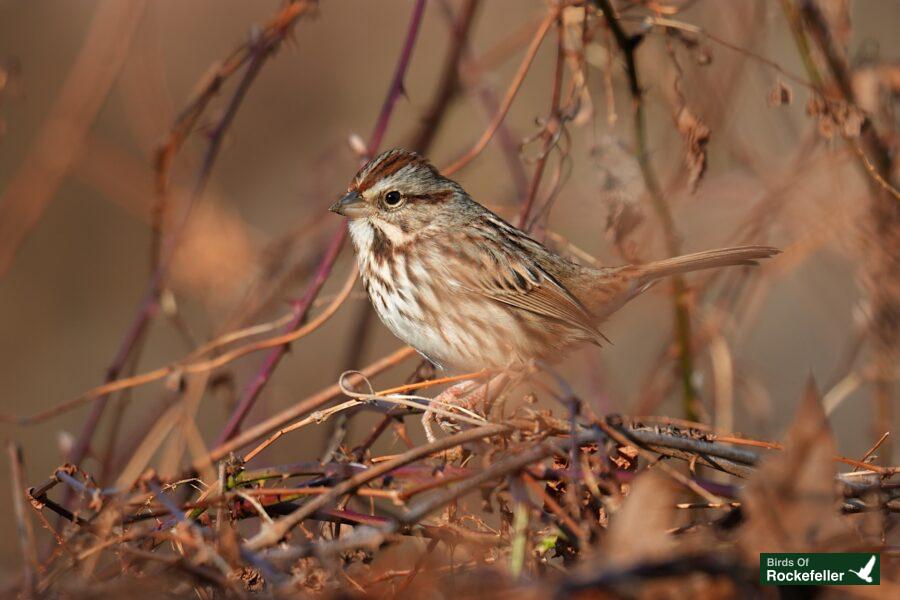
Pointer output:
78, 274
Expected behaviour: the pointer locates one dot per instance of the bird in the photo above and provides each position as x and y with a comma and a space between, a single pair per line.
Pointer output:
468, 290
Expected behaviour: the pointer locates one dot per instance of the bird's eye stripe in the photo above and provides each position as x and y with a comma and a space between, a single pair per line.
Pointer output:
433, 198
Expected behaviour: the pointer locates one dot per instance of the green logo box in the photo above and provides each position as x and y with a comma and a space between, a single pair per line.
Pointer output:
820, 568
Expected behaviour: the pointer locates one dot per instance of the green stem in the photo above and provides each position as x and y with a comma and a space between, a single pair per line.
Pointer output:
680, 304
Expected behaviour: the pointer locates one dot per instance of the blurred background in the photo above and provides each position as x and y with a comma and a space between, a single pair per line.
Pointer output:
88, 91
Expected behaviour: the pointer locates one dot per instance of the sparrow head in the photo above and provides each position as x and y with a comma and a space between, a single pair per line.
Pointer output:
399, 189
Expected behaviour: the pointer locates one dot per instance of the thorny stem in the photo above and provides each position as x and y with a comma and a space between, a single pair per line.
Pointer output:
304, 407
420, 141
448, 85
511, 92
549, 134
149, 304
459, 481
396, 88
271, 361
270, 535
680, 298
474, 79
194, 363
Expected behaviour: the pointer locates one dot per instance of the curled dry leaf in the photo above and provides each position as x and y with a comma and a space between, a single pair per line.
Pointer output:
249, 578
836, 116
621, 220
620, 188
696, 137
625, 458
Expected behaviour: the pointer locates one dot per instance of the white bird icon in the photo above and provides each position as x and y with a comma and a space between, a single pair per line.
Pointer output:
865, 572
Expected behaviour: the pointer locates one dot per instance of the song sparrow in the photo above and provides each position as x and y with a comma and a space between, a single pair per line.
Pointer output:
468, 290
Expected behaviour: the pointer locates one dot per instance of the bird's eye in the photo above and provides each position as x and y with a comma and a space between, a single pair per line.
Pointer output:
393, 199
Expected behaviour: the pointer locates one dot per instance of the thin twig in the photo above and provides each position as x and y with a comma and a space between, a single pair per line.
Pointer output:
680, 302
511, 92
271, 535
259, 50
23, 525
270, 363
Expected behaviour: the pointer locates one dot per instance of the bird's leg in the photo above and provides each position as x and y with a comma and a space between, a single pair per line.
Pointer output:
453, 396
468, 394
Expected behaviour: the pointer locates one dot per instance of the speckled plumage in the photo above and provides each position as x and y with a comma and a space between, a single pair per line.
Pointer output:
470, 291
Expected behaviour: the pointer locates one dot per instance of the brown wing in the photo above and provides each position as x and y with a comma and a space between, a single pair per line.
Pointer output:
520, 282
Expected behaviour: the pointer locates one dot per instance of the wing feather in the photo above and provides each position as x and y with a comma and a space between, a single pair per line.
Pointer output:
518, 281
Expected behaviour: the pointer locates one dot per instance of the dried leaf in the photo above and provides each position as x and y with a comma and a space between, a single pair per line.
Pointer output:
791, 502
638, 531
620, 188
696, 137
249, 578
836, 116
622, 219
625, 458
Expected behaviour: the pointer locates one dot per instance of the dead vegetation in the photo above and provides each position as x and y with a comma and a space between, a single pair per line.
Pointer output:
538, 494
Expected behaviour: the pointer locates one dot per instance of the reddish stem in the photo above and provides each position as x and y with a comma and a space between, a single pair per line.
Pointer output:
251, 393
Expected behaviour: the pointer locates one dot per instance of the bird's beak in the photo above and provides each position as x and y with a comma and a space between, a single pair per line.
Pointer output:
352, 206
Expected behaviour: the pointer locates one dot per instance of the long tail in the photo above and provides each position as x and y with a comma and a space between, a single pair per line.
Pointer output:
708, 259
609, 289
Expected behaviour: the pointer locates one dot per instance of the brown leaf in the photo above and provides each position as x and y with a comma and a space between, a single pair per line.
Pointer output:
249, 578
638, 531
696, 137
836, 116
625, 458
620, 187
791, 501
621, 220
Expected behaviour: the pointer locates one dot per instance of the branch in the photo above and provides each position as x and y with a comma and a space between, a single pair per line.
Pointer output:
680, 305
272, 534
23, 524
258, 51
270, 363
511, 92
